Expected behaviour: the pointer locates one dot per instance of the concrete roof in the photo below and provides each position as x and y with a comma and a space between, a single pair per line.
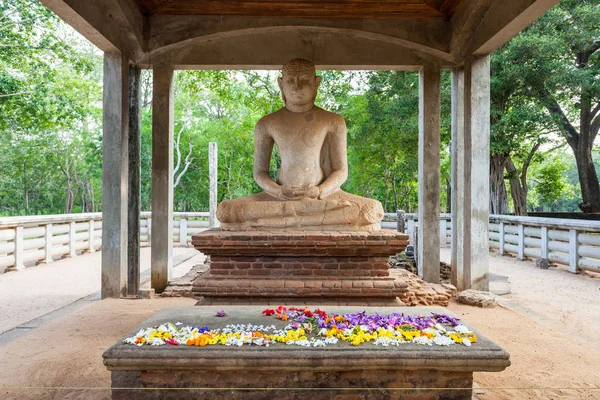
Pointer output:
191, 41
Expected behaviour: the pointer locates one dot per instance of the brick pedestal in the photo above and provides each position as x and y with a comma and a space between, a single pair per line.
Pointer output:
256, 265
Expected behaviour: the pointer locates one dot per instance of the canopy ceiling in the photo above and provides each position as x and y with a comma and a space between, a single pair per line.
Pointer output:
264, 34
304, 8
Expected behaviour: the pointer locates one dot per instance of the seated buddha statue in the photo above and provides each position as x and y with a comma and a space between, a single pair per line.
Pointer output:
306, 193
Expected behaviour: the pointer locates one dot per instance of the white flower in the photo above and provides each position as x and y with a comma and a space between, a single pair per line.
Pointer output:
442, 340
462, 329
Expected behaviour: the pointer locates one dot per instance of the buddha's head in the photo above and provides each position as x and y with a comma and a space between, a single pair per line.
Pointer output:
299, 83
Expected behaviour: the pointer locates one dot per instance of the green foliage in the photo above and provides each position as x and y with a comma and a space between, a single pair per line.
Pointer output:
50, 109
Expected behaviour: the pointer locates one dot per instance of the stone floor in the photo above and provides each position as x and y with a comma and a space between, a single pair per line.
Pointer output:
548, 313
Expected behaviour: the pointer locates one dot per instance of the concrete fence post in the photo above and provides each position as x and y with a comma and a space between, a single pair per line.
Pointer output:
411, 231
573, 251
545, 253
183, 232
443, 228
19, 264
91, 248
400, 223
48, 244
502, 240
149, 230
72, 241
521, 251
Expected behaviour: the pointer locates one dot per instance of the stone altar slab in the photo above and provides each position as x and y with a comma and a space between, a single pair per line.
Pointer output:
409, 371
302, 264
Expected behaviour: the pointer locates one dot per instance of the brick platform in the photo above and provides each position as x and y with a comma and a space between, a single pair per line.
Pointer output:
294, 265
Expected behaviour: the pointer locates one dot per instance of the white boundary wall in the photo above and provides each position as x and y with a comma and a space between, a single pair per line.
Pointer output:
43, 239
571, 242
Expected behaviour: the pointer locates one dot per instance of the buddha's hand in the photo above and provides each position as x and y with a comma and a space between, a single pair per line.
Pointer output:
312, 192
291, 192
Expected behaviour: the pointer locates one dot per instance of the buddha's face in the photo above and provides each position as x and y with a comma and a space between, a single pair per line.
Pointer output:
299, 88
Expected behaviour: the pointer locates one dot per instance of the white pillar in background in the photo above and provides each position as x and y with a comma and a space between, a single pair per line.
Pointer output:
213, 173
429, 174
162, 178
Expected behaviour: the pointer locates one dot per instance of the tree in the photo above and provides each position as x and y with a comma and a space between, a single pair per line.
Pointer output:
558, 61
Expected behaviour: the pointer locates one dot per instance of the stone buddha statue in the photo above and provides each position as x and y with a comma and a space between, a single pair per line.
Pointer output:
306, 193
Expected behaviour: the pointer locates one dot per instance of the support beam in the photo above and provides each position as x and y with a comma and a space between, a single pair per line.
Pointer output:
114, 176
470, 186
133, 214
429, 174
458, 178
162, 178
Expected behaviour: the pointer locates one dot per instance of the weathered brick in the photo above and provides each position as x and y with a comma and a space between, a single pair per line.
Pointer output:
258, 272
362, 284
294, 284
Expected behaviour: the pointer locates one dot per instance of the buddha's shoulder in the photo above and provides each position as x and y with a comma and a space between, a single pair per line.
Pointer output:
329, 116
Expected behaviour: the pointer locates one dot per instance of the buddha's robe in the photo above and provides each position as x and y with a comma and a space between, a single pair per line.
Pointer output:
339, 211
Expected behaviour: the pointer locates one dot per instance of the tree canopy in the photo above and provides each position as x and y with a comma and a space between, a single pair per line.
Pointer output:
545, 101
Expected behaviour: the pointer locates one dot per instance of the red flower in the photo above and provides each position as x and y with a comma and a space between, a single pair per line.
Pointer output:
321, 313
172, 341
308, 313
281, 310
268, 312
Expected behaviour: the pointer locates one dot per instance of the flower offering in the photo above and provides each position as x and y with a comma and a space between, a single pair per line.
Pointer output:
315, 328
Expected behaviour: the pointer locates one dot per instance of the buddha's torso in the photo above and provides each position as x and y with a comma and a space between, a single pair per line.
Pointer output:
299, 138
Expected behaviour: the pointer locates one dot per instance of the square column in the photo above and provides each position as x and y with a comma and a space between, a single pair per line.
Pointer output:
133, 235
429, 174
162, 178
470, 173
114, 176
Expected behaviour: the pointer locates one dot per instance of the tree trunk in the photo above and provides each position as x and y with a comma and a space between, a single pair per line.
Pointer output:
588, 179
519, 195
498, 195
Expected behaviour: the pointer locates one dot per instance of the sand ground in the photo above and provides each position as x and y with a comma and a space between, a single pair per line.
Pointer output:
549, 324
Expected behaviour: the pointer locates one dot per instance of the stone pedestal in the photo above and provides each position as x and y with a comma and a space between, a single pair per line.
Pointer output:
408, 371
286, 267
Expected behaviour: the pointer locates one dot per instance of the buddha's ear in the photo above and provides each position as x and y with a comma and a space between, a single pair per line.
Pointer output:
280, 83
318, 80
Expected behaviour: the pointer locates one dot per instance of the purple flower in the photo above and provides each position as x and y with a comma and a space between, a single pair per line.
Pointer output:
221, 313
203, 329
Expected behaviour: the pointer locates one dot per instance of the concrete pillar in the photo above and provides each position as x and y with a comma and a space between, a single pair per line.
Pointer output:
429, 174
502, 241
213, 172
72, 239
183, 232
545, 253
162, 178
573, 251
114, 176
91, 245
19, 262
48, 244
521, 242
133, 195
457, 205
471, 150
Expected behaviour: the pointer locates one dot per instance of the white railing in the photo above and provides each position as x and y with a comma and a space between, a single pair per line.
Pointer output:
43, 239
23, 240
571, 242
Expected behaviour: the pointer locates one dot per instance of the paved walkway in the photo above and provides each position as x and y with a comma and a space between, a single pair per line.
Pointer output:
33, 293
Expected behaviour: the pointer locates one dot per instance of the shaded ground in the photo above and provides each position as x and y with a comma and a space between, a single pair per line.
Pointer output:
548, 324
